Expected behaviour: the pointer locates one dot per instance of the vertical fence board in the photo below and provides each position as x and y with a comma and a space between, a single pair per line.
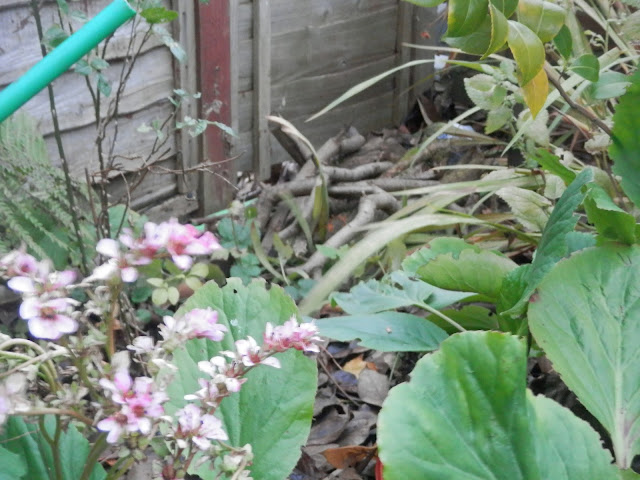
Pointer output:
187, 75
216, 190
404, 34
262, 88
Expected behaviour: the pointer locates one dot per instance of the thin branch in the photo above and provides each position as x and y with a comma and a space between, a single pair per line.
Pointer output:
576, 106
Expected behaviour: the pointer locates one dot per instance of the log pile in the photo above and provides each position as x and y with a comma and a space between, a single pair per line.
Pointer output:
357, 176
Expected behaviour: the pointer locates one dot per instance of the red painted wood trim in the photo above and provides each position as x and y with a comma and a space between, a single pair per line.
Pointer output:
214, 60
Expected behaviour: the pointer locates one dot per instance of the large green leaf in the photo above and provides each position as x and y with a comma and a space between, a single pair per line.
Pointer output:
25, 440
564, 42
499, 30
610, 221
435, 247
478, 272
477, 42
553, 244
527, 49
395, 291
470, 317
507, 7
273, 409
13, 465
466, 415
465, 16
626, 140
587, 66
545, 19
586, 317
385, 331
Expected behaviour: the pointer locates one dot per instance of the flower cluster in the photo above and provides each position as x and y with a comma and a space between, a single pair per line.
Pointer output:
200, 428
46, 306
302, 336
139, 405
171, 238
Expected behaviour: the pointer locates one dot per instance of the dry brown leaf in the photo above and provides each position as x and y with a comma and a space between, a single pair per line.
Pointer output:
355, 365
345, 457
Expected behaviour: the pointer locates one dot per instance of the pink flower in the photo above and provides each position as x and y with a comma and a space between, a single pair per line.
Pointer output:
203, 323
186, 240
119, 265
42, 280
48, 319
200, 428
139, 404
18, 263
248, 353
144, 249
291, 335
224, 378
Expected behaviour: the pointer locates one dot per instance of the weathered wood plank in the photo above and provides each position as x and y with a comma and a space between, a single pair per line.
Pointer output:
176, 206
262, 90
187, 79
20, 50
404, 34
132, 145
288, 15
150, 82
154, 187
324, 49
305, 96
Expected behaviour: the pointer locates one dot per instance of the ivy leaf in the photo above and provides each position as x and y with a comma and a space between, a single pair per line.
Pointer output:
527, 49
465, 16
544, 18
587, 66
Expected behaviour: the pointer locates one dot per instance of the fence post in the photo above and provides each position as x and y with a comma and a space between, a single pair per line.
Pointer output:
261, 88
216, 189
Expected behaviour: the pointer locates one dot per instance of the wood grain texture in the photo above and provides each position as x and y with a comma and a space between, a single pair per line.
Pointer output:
214, 59
262, 91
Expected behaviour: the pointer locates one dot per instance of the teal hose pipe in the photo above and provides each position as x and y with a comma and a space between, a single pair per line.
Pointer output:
63, 56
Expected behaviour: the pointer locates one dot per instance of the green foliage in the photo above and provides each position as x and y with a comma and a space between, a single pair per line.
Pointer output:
273, 409
478, 272
385, 331
32, 457
33, 199
626, 140
585, 316
472, 393
553, 244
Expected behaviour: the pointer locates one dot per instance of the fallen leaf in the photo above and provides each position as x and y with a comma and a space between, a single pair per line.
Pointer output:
329, 427
373, 387
355, 365
345, 457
